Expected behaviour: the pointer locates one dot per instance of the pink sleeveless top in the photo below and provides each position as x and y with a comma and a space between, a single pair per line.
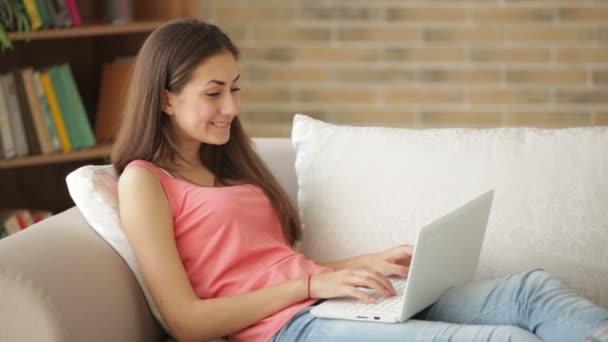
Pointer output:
231, 242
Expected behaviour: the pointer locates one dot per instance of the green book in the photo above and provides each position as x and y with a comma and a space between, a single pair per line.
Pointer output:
75, 116
47, 21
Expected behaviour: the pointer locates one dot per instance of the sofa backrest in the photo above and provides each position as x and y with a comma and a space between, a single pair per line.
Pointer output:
550, 210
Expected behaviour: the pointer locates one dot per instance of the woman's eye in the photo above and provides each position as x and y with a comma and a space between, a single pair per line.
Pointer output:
216, 94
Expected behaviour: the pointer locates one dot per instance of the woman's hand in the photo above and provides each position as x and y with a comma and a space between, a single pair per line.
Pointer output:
395, 261
346, 282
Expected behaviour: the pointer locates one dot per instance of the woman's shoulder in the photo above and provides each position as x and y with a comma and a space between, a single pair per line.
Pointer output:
141, 163
137, 175
140, 166
149, 182
142, 173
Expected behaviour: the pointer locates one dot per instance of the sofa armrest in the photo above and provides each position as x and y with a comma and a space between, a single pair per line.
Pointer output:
59, 281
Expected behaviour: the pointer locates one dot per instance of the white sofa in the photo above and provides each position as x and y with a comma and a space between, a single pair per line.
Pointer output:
59, 281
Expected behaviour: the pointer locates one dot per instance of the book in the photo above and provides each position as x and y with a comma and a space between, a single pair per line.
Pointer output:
83, 124
24, 218
42, 129
8, 145
49, 91
74, 114
48, 117
15, 220
119, 11
43, 10
32, 12
59, 12
26, 114
74, 12
12, 221
14, 114
39, 215
113, 90
11, 224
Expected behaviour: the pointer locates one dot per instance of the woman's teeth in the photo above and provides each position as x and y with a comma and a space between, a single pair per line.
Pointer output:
220, 124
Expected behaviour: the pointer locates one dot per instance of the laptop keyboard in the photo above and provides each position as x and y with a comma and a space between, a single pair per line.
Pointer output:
383, 304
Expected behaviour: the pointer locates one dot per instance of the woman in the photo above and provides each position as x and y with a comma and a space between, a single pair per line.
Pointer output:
213, 231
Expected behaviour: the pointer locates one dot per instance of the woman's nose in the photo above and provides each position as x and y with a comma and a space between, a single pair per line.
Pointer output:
230, 105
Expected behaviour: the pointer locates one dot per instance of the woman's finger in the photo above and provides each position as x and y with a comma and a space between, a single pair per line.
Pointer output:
401, 254
383, 280
366, 297
397, 270
365, 280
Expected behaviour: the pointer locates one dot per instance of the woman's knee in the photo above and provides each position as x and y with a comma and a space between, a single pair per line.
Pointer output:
531, 282
538, 275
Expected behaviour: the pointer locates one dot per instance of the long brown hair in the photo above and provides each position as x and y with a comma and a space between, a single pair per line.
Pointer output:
166, 61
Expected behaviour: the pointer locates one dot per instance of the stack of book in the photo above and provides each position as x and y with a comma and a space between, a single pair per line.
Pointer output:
41, 112
46, 13
14, 220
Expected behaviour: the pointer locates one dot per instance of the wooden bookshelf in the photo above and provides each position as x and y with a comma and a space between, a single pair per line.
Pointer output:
97, 152
88, 30
38, 181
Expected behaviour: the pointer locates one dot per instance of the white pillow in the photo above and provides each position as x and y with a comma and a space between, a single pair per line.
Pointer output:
94, 189
364, 189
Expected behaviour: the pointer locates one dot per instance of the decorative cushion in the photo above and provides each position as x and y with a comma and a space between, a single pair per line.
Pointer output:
365, 189
94, 189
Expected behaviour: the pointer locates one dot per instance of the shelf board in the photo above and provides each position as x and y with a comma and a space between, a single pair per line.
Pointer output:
96, 152
101, 29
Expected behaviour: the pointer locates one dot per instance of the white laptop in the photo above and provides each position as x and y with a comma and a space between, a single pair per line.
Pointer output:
446, 254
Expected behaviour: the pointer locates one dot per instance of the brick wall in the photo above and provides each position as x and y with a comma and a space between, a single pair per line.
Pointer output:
415, 63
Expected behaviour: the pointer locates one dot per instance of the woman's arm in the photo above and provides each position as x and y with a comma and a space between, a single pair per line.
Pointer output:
395, 261
147, 220
353, 262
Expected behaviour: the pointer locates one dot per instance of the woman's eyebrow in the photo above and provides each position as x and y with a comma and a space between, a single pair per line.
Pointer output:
222, 83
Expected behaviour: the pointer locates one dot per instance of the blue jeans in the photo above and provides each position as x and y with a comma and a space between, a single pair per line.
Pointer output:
529, 306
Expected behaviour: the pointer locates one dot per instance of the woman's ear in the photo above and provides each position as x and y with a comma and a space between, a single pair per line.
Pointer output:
166, 104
